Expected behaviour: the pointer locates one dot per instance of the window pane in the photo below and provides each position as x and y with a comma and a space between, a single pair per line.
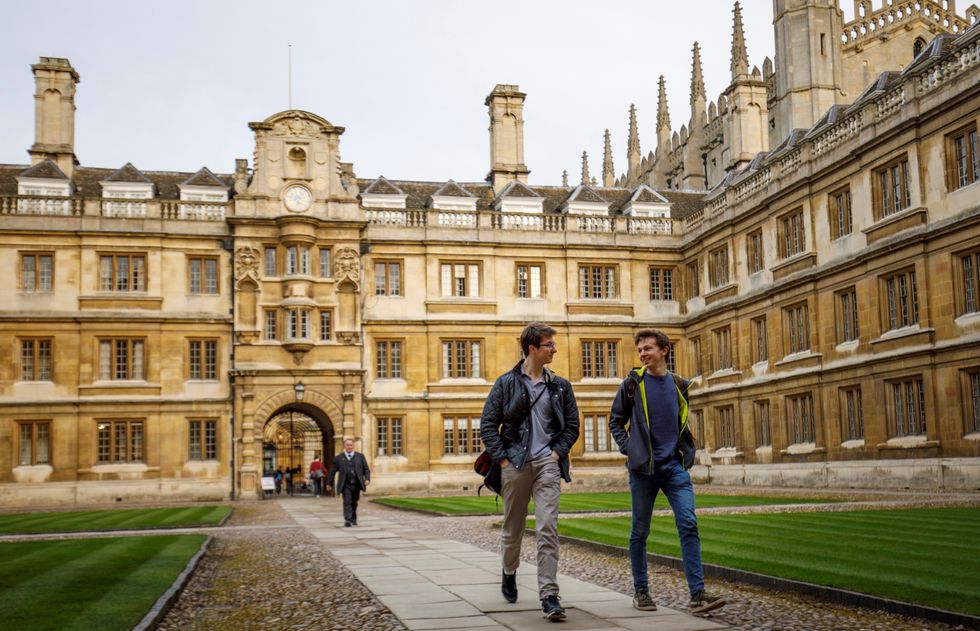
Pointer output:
26, 443
137, 369
380, 279
324, 263
396, 436
211, 440
211, 276
195, 276
395, 279
194, 448
136, 430
29, 272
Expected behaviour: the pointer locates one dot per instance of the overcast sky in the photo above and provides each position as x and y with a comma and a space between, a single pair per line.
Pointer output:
173, 86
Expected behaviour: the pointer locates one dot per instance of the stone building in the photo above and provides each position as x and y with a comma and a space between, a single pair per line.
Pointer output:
811, 241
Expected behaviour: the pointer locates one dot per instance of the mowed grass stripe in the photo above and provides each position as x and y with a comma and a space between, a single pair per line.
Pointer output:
120, 519
106, 583
907, 555
576, 502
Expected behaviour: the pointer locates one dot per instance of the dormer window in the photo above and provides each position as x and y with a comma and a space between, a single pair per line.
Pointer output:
206, 194
44, 179
517, 197
383, 194
646, 202
584, 200
452, 196
128, 183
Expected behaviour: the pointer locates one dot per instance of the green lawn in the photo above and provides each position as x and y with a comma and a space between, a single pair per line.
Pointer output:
926, 556
124, 519
86, 584
573, 502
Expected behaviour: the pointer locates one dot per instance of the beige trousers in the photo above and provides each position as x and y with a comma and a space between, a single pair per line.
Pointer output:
540, 480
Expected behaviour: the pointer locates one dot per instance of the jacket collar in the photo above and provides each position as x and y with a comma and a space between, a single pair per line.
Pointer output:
518, 370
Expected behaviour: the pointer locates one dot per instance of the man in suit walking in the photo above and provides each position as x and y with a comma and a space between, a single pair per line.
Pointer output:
354, 477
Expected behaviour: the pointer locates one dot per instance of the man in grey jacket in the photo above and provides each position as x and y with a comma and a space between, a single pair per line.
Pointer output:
529, 424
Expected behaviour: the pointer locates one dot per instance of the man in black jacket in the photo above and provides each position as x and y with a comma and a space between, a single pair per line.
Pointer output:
659, 449
529, 424
354, 477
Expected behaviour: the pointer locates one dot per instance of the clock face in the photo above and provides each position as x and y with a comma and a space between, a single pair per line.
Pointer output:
297, 198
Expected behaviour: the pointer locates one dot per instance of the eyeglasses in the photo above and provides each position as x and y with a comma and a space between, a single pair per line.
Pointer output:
550, 345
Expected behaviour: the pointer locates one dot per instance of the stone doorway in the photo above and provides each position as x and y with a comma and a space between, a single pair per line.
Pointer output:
292, 437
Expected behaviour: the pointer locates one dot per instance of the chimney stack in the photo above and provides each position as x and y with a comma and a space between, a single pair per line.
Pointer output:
506, 109
54, 113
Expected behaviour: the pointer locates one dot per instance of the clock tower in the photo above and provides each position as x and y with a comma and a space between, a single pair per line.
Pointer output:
297, 229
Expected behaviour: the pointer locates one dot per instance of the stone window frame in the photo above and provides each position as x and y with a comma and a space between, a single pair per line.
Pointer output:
966, 281
299, 263
272, 262
840, 205
471, 288
389, 355
206, 431
726, 432
202, 282
662, 285
762, 422
962, 175
697, 361
135, 371
791, 233
393, 281
198, 360
34, 429
797, 328
389, 436
325, 268
760, 339
970, 387
596, 437
457, 443
724, 352
605, 287
592, 350
755, 256
905, 406
801, 423
328, 315
470, 368
693, 278
135, 451
719, 268
132, 278
36, 343
899, 299
851, 412
528, 291
847, 315
885, 186
36, 286
276, 323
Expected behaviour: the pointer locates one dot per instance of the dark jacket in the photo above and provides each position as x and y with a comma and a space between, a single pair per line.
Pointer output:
339, 468
505, 426
635, 442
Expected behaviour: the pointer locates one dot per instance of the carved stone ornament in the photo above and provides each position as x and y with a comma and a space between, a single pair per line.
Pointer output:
348, 266
296, 127
247, 264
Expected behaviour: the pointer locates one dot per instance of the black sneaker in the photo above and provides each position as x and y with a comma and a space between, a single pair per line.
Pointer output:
346, 524
642, 600
553, 610
703, 602
508, 587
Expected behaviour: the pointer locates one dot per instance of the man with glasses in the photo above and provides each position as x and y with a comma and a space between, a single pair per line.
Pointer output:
529, 424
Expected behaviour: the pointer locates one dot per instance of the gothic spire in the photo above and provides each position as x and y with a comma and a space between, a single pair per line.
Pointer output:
585, 167
740, 55
633, 145
697, 77
564, 178
608, 172
663, 115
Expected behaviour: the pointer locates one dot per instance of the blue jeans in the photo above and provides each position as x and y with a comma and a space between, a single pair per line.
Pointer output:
675, 482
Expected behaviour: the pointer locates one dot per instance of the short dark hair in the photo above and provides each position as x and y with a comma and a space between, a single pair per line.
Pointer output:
661, 338
532, 334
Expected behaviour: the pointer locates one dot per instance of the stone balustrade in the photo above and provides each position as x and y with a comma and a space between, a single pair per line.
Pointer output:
872, 24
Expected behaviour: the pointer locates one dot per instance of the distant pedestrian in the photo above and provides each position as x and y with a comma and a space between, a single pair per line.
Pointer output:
277, 477
353, 476
529, 424
289, 481
316, 475
659, 449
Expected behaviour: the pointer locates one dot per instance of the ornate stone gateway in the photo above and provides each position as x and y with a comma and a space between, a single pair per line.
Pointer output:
293, 437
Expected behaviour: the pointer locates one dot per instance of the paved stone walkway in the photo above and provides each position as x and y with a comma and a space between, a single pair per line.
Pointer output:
430, 582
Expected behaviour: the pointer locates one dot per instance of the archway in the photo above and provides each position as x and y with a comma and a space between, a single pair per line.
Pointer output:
292, 437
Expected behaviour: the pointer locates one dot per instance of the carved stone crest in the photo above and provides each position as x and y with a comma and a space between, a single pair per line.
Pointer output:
296, 127
348, 267
247, 264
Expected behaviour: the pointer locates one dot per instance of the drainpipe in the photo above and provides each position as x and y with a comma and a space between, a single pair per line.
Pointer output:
229, 246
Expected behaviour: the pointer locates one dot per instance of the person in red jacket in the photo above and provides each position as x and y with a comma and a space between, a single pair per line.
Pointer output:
316, 475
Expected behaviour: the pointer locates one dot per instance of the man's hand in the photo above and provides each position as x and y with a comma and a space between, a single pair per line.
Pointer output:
329, 489
504, 463
366, 482
555, 456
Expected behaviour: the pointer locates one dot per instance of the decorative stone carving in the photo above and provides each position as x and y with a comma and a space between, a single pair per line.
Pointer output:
296, 127
348, 337
348, 267
247, 264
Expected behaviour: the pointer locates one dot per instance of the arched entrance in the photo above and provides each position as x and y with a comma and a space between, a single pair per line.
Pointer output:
293, 436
